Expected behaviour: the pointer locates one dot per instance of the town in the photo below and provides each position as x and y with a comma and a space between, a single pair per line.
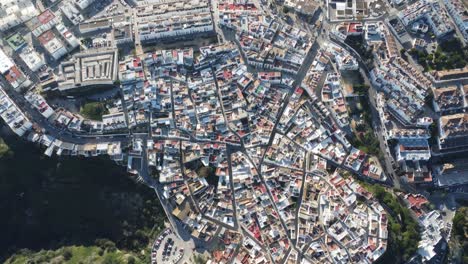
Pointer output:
270, 131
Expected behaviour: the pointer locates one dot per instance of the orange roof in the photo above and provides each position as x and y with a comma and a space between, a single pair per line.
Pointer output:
13, 74
46, 37
416, 200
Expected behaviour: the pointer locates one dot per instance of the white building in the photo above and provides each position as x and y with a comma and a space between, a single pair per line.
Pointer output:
457, 10
412, 149
433, 225
82, 4
68, 36
433, 14
92, 68
16, 12
12, 115
38, 102
72, 13
43, 22
157, 19
95, 25
33, 60
53, 45
5, 62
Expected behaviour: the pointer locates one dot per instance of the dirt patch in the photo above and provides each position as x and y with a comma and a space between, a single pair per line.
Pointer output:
349, 79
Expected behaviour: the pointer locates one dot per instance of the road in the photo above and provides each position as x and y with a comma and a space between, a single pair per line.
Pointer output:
301, 194
375, 116
180, 228
34, 115
297, 81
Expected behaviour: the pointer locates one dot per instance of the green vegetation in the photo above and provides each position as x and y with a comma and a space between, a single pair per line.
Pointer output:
94, 110
429, 98
205, 171
403, 54
54, 203
364, 138
15, 41
87, 42
360, 89
403, 230
458, 243
4, 149
358, 44
450, 54
209, 174
199, 259
74, 255
434, 131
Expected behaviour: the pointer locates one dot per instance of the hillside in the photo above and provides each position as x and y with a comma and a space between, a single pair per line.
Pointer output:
48, 203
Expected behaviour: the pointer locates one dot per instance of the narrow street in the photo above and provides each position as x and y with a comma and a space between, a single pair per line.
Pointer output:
389, 171
192, 109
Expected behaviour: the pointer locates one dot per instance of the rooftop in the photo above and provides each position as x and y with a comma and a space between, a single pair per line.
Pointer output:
16, 41
94, 67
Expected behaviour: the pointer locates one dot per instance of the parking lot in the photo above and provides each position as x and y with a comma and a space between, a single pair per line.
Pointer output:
168, 248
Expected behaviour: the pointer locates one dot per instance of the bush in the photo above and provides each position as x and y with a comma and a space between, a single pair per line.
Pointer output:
67, 254
131, 260
4, 149
111, 259
450, 54
460, 222
205, 172
358, 44
403, 54
403, 232
94, 110
360, 89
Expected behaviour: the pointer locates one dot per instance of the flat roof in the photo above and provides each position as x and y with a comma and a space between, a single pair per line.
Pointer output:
95, 67
15, 41
95, 24
46, 16
46, 37
5, 62
13, 74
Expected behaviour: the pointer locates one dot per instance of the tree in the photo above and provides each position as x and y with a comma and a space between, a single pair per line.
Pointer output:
199, 259
430, 57
458, 243
403, 54
205, 172
460, 223
131, 260
111, 259
396, 228
67, 254
94, 110
360, 89
4, 149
